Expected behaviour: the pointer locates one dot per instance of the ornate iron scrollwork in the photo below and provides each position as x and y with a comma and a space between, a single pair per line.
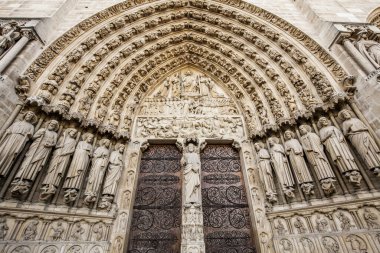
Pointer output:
157, 210
227, 224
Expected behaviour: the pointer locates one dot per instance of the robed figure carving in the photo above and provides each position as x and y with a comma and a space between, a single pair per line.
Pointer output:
368, 48
43, 142
358, 134
294, 150
265, 172
14, 140
338, 148
98, 168
114, 170
78, 167
59, 162
191, 164
315, 154
281, 165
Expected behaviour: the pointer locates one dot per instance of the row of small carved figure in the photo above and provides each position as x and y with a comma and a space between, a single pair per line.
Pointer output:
312, 144
320, 223
83, 153
57, 231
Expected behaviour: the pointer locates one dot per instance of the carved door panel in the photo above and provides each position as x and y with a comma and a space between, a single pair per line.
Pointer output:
157, 209
227, 224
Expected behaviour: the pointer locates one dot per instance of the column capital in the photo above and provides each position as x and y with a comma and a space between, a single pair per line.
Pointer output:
29, 33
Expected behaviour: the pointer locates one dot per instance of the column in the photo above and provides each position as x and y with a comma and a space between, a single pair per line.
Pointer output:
364, 63
27, 35
192, 236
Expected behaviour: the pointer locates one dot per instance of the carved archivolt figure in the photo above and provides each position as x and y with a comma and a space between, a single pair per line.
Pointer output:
315, 154
280, 227
59, 162
338, 148
77, 233
281, 166
57, 232
36, 157
265, 171
298, 224
371, 218
99, 165
321, 224
294, 150
191, 164
115, 168
345, 222
78, 166
3, 228
14, 140
368, 48
30, 231
357, 132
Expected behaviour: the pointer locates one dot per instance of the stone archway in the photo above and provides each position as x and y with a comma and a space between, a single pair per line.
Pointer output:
246, 77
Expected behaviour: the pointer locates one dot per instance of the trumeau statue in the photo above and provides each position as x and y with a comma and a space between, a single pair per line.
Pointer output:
358, 134
294, 150
14, 140
368, 48
43, 142
265, 171
78, 167
99, 165
315, 154
338, 148
281, 166
59, 162
114, 170
191, 164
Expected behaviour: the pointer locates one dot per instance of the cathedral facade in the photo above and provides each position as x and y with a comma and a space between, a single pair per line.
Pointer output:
189, 126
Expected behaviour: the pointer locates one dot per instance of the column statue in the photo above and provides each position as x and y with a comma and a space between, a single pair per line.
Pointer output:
357, 132
78, 167
265, 172
114, 170
294, 150
315, 154
59, 162
368, 48
191, 164
99, 165
281, 166
337, 147
35, 159
14, 140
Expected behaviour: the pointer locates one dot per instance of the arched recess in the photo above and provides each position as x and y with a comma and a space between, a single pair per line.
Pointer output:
374, 17
103, 67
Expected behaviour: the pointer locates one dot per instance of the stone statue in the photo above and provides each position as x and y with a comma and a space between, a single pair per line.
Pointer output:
43, 142
3, 228
57, 232
345, 222
14, 140
338, 148
357, 132
330, 244
321, 224
280, 227
78, 167
191, 164
315, 154
265, 171
368, 48
281, 165
77, 232
298, 224
294, 150
59, 162
115, 168
98, 231
371, 218
357, 244
99, 165
9, 34
30, 231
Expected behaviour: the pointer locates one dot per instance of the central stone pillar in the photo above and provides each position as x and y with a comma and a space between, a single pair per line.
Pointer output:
192, 236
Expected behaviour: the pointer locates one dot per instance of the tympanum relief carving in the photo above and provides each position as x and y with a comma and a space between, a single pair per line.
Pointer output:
188, 103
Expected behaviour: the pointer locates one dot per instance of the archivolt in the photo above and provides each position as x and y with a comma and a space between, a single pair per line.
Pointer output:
103, 67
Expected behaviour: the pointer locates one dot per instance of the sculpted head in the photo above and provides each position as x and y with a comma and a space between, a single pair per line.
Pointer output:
105, 142
273, 140
53, 125
120, 147
72, 132
304, 129
323, 122
258, 146
30, 116
191, 147
89, 138
289, 135
345, 114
